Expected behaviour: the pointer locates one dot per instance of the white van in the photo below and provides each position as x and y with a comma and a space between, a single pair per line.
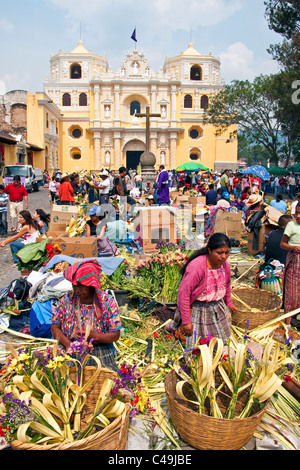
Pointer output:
29, 178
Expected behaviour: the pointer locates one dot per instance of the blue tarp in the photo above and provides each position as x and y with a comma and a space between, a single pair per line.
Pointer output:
108, 265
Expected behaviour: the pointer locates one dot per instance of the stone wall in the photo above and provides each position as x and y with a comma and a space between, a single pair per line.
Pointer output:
13, 112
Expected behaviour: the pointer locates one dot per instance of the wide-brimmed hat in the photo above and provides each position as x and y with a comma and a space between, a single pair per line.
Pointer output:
253, 199
64, 175
104, 173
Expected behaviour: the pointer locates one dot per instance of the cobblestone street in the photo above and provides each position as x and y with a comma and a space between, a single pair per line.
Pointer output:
8, 272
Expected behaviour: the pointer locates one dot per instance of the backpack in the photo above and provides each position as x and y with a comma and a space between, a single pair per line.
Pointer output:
40, 319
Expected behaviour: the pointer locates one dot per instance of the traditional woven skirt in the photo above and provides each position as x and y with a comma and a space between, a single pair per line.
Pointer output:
291, 282
209, 319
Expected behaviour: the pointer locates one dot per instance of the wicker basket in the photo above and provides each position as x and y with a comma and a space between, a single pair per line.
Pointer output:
113, 437
206, 432
267, 303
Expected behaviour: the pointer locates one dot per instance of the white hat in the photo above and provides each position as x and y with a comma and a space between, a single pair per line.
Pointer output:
104, 173
253, 199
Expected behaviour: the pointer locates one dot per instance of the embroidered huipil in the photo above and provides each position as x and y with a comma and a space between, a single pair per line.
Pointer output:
65, 315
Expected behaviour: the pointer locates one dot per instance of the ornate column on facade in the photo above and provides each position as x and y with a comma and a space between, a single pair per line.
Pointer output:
117, 152
153, 98
97, 151
173, 144
117, 102
173, 102
97, 101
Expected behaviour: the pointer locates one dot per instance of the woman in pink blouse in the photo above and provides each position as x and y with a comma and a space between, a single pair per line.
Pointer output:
204, 295
87, 311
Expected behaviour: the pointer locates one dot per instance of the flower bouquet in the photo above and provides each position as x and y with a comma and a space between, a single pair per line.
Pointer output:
158, 276
223, 394
35, 255
49, 400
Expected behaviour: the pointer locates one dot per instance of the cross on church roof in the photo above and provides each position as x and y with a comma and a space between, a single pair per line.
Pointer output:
147, 115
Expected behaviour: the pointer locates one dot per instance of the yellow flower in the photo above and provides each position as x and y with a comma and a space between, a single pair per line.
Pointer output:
23, 357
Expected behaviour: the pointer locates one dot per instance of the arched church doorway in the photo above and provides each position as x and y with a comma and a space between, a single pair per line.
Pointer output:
133, 158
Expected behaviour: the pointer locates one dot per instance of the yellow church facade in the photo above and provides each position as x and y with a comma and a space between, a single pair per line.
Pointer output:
88, 113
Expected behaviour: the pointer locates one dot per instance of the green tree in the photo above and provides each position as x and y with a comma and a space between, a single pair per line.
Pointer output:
252, 153
252, 107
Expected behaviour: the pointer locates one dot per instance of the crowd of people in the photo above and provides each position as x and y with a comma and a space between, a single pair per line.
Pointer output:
227, 189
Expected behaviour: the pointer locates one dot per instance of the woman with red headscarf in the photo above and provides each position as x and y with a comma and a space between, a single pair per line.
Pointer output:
87, 312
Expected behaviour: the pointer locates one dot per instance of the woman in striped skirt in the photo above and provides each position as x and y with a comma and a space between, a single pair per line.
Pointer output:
291, 280
204, 295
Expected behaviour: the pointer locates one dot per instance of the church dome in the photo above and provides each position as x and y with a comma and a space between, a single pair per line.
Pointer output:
191, 50
80, 49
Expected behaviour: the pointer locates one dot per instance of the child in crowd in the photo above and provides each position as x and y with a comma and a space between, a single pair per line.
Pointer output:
3, 212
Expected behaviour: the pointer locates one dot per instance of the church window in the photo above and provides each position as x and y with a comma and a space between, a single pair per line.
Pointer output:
194, 156
194, 133
76, 133
75, 71
195, 73
188, 101
82, 99
75, 153
66, 99
135, 107
204, 101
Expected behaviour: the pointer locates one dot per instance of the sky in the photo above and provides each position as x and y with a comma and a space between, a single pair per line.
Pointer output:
32, 30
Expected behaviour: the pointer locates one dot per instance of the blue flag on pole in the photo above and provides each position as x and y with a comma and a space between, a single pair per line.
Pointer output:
133, 36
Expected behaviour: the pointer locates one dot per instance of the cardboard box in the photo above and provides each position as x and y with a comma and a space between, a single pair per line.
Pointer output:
153, 225
77, 247
263, 232
196, 201
229, 223
62, 214
57, 228
182, 199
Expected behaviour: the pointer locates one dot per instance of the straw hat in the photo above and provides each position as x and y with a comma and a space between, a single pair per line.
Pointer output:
253, 199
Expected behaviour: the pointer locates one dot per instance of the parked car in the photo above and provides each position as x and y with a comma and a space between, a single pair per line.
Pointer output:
31, 178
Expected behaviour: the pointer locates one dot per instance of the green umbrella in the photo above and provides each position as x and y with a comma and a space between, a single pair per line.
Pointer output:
295, 167
191, 166
278, 171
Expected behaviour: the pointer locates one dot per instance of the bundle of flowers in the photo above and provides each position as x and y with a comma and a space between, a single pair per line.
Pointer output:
158, 276
35, 255
42, 398
210, 374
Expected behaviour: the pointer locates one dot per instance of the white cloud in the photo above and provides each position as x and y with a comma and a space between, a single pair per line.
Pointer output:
2, 87
194, 13
237, 62
172, 13
15, 81
6, 25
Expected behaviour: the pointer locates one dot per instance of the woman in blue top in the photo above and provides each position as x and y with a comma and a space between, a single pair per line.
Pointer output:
42, 219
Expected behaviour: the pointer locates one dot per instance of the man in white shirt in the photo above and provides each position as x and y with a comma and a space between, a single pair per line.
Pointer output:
104, 187
292, 185
276, 186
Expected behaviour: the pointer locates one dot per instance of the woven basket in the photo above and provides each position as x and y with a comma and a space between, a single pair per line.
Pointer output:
267, 303
113, 437
206, 432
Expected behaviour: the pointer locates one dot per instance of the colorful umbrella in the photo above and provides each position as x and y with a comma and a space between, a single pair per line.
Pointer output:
257, 170
191, 166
